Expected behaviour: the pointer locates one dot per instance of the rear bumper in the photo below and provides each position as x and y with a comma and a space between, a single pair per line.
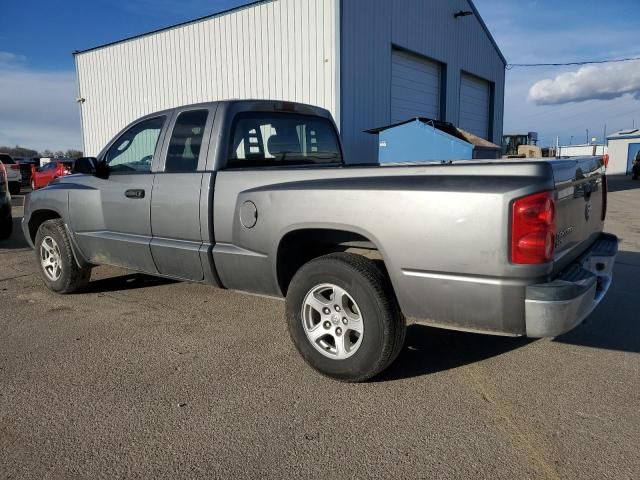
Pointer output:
554, 308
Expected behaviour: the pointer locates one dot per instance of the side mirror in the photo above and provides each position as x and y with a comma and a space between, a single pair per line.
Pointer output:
102, 169
86, 165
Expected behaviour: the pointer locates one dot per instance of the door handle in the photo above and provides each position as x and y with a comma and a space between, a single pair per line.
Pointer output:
135, 193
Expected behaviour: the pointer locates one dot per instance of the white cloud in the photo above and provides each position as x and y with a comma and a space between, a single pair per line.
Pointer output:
539, 37
10, 60
593, 82
37, 109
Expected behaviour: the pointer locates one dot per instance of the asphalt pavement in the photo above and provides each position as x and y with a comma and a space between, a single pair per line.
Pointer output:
147, 378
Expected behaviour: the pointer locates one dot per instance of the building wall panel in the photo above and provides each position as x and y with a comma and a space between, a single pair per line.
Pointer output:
283, 49
370, 31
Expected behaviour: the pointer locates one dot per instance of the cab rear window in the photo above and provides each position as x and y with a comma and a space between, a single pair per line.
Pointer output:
282, 139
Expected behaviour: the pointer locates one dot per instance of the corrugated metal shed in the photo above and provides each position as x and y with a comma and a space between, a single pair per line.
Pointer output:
419, 140
337, 54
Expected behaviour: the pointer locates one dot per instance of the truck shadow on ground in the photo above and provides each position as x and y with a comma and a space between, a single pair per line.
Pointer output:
122, 283
620, 183
615, 324
16, 241
430, 350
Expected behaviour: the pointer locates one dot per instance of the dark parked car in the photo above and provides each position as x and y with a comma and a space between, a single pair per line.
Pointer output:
6, 222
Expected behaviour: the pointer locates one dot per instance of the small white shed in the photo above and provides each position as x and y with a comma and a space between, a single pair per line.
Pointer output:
624, 148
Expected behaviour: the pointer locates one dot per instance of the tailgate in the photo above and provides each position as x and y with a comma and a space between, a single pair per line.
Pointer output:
580, 207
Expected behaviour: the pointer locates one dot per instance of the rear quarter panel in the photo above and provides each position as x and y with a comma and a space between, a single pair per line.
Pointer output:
442, 231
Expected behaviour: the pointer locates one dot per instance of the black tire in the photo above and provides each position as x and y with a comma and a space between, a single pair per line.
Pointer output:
14, 188
6, 227
370, 288
72, 278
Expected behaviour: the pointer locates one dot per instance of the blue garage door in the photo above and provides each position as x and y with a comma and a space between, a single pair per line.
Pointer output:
475, 98
415, 87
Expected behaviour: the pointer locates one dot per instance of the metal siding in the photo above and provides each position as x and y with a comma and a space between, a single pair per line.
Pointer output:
619, 155
415, 87
475, 95
427, 28
284, 50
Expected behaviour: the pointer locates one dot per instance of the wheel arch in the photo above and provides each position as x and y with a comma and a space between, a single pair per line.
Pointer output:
38, 217
300, 245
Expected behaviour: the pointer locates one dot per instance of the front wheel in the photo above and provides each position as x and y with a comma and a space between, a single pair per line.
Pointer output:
58, 267
343, 317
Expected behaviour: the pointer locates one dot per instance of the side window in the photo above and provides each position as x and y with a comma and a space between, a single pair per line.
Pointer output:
186, 142
133, 151
282, 139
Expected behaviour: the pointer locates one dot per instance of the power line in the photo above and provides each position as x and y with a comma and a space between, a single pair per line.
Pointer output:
567, 64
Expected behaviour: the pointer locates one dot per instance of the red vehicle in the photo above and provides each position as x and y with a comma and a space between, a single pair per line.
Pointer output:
41, 177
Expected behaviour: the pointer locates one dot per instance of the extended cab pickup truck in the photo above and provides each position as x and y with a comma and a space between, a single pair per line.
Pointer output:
255, 196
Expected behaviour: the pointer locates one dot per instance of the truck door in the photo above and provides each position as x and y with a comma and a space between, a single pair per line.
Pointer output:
111, 217
176, 214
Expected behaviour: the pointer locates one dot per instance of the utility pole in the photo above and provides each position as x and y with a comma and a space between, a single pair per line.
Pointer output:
588, 136
571, 141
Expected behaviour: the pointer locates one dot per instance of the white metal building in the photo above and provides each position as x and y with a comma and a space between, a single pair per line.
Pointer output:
624, 148
582, 150
370, 62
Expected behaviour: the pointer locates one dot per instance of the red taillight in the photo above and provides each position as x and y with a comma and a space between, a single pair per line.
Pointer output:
14, 167
533, 229
605, 191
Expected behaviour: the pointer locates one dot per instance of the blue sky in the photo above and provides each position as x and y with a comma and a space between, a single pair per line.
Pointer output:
37, 78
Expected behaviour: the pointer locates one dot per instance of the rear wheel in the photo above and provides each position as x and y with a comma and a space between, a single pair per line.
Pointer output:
14, 188
58, 267
343, 317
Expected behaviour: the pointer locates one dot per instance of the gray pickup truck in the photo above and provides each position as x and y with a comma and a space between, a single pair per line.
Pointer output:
255, 196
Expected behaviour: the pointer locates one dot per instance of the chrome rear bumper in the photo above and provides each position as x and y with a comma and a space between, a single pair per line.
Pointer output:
554, 308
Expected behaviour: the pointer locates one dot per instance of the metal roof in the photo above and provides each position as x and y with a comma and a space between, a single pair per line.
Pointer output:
445, 127
625, 134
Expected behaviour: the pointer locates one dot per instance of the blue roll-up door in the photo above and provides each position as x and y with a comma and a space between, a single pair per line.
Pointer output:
415, 87
475, 98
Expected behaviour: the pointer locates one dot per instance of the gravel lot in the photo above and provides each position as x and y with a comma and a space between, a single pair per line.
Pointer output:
145, 378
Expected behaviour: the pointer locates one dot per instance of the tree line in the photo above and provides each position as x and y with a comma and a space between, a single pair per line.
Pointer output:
22, 152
